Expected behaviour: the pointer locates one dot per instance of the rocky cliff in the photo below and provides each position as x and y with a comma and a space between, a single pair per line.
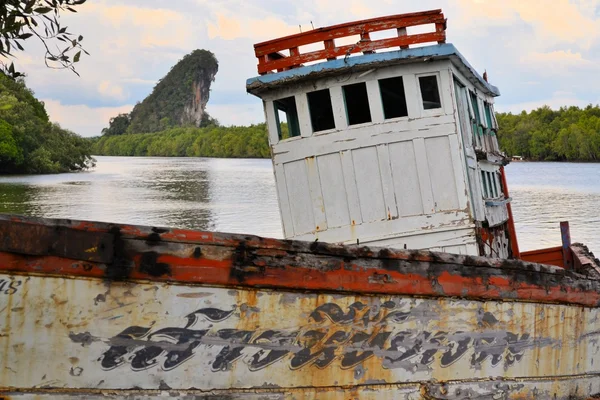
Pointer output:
178, 99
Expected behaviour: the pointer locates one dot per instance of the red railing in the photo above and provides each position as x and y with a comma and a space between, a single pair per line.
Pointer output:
271, 59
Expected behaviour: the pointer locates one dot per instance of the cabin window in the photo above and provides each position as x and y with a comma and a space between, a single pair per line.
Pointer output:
488, 116
477, 121
492, 183
286, 117
393, 97
321, 111
484, 184
357, 103
430, 92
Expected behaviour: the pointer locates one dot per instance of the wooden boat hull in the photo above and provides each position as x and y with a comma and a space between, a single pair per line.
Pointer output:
92, 332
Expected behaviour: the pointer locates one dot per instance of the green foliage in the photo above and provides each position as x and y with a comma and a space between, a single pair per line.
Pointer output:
29, 143
567, 134
117, 125
213, 141
178, 99
40, 19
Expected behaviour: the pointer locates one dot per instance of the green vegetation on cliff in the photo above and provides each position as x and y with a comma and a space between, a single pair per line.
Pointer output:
29, 142
211, 141
567, 134
178, 99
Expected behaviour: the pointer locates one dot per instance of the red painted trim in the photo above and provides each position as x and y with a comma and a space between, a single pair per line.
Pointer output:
512, 232
327, 35
205, 258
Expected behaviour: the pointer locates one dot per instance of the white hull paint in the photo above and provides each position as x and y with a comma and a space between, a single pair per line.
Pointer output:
63, 336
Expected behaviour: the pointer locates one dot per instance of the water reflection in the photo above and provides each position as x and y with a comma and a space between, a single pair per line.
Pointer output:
205, 194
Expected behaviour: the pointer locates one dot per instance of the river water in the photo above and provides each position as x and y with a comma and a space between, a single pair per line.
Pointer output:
239, 196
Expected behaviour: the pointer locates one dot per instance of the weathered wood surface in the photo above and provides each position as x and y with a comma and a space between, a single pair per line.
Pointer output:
192, 257
270, 58
62, 334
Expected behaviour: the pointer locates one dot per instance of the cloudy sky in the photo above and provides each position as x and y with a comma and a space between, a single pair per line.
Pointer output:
536, 51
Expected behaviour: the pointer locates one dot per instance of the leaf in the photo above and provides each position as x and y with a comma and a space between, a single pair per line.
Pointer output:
25, 36
11, 68
62, 30
19, 45
42, 10
76, 57
80, 38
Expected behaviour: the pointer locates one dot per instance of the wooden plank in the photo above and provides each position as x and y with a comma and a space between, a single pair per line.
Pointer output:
271, 122
351, 187
298, 189
368, 182
441, 172
316, 195
406, 178
284, 201
447, 276
389, 197
424, 175
303, 115
339, 107
335, 196
41, 240
375, 103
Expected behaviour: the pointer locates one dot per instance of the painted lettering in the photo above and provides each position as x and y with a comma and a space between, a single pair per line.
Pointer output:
350, 336
9, 286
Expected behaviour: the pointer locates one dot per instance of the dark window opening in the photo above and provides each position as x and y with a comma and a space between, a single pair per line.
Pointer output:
430, 92
321, 111
477, 122
484, 184
357, 103
393, 97
490, 185
286, 117
493, 180
488, 116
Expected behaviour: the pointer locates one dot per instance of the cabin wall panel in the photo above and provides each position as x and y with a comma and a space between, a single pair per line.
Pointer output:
298, 189
381, 230
454, 238
339, 108
316, 194
68, 336
335, 195
368, 182
441, 172
387, 181
363, 136
303, 116
407, 189
284, 201
424, 176
271, 122
351, 187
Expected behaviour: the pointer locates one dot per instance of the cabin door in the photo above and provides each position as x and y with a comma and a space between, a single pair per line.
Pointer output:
462, 102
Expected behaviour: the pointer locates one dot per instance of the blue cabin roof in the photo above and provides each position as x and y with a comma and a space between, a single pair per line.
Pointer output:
444, 51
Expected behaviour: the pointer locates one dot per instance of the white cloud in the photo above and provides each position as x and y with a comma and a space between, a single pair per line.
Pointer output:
558, 58
237, 114
84, 120
111, 90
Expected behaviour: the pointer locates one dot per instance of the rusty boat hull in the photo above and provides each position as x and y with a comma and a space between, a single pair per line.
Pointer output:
93, 310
